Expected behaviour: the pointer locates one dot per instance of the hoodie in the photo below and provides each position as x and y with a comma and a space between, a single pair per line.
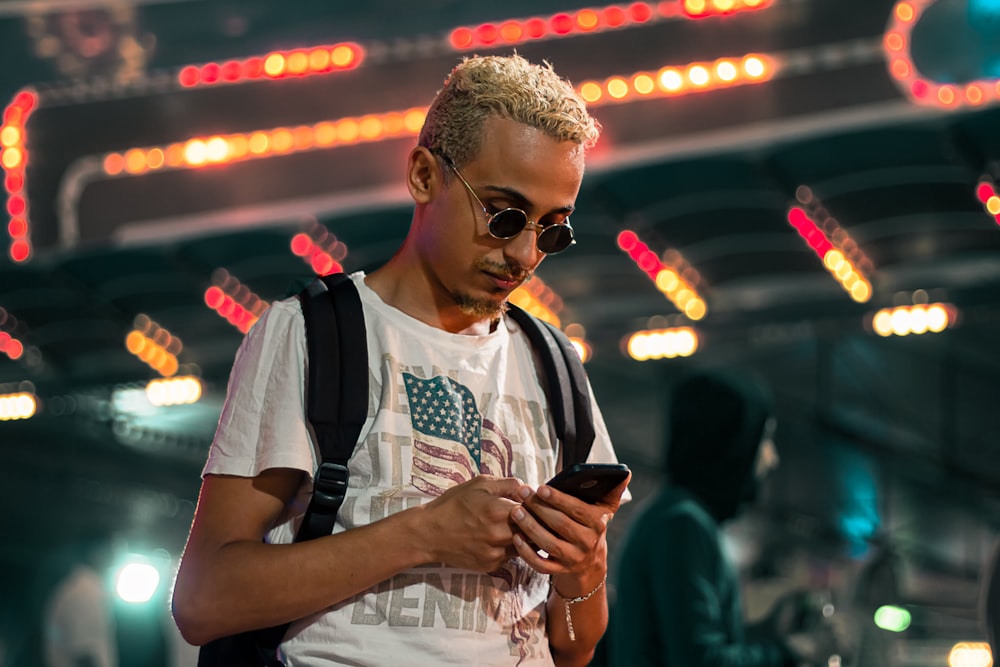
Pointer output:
677, 597
716, 424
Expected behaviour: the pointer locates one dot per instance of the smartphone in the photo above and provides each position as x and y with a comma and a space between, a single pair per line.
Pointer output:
589, 482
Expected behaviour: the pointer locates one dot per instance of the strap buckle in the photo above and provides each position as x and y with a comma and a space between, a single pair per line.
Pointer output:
330, 485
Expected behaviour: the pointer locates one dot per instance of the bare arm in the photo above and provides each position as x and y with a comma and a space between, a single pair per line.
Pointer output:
574, 535
231, 581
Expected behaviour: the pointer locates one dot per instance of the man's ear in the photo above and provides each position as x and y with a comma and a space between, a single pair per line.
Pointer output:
423, 175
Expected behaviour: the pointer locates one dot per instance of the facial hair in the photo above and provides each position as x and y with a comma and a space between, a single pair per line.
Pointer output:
485, 307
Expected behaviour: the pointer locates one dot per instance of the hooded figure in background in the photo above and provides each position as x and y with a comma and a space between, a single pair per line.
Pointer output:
678, 600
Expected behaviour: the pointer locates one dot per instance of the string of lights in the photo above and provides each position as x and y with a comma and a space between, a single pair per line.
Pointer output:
203, 151
917, 319
275, 65
986, 192
319, 248
14, 159
668, 281
921, 90
154, 345
677, 80
233, 301
511, 32
20, 405
667, 343
836, 257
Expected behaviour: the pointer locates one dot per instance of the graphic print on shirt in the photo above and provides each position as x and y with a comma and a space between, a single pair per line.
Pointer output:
452, 443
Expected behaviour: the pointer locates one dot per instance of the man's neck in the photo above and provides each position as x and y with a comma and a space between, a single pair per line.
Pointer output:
414, 296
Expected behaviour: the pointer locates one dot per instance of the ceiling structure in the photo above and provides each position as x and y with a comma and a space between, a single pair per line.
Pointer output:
889, 438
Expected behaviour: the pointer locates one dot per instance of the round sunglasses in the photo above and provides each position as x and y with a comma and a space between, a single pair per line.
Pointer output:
509, 222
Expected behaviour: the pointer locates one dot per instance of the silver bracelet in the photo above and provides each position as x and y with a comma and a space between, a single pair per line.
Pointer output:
569, 602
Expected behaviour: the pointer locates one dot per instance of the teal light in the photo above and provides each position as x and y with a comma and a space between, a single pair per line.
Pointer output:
893, 619
980, 10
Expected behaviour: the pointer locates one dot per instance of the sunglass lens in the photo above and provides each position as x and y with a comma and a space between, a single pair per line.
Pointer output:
508, 223
555, 238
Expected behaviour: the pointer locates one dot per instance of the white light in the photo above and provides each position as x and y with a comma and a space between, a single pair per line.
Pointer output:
137, 582
638, 347
918, 320
699, 76
659, 345
882, 322
754, 67
970, 654
195, 151
581, 347
687, 342
671, 80
216, 150
901, 322
663, 343
726, 71
17, 406
174, 391
937, 318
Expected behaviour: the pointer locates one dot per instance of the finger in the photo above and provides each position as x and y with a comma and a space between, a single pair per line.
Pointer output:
532, 530
504, 487
560, 511
562, 528
614, 499
529, 554
567, 547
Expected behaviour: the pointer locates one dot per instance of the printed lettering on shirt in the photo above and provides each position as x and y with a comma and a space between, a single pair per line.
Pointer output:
393, 395
519, 416
463, 601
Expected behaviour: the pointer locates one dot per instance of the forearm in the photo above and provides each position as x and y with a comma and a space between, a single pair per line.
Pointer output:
575, 624
246, 585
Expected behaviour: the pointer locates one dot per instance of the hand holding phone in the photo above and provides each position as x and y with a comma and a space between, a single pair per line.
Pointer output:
590, 482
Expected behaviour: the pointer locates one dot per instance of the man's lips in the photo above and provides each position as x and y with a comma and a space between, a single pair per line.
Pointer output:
504, 282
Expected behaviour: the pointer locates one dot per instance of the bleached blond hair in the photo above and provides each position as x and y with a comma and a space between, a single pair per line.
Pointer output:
509, 87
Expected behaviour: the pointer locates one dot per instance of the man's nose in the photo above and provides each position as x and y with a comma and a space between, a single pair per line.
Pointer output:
523, 248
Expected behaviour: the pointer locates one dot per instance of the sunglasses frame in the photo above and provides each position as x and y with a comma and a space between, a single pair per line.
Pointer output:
528, 223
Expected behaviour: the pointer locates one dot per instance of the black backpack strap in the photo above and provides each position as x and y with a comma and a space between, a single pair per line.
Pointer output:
569, 397
336, 406
337, 392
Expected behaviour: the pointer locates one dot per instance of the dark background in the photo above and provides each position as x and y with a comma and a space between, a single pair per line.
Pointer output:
890, 446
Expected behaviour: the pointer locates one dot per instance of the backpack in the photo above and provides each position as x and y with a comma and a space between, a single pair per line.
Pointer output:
337, 406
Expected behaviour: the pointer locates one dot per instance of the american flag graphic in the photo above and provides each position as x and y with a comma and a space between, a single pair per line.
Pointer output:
452, 442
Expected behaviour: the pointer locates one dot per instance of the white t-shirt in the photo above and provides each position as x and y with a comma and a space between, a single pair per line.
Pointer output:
443, 408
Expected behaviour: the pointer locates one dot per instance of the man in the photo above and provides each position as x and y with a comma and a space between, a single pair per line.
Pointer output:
678, 598
79, 622
449, 549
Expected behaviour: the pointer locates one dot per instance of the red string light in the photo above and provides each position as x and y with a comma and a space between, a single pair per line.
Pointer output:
275, 65
590, 20
14, 159
233, 301
672, 283
987, 194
